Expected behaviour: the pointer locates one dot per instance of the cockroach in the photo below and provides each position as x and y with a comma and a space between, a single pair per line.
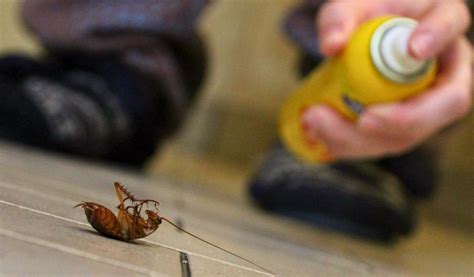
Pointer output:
129, 223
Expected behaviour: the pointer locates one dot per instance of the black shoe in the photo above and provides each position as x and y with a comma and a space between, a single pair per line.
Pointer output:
97, 112
357, 198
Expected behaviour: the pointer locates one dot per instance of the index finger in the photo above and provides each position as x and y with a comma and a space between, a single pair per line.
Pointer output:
446, 21
337, 20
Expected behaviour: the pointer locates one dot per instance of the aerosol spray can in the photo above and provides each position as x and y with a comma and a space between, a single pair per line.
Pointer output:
375, 67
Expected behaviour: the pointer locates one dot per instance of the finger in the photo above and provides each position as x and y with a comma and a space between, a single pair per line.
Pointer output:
448, 100
445, 21
337, 20
342, 138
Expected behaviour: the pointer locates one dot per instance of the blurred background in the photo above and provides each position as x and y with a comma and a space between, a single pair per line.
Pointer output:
252, 68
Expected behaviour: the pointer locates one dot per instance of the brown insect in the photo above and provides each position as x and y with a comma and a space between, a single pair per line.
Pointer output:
129, 223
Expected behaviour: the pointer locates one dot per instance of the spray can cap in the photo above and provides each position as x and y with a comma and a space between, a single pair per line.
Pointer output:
389, 51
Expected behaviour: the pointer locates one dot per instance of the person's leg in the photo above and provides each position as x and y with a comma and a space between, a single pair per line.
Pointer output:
74, 109
122, 76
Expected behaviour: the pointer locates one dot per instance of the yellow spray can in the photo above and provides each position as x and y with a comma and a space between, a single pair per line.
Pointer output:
375, 67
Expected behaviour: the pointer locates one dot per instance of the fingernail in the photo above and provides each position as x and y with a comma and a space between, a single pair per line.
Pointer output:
331, 34
421, 44
332, 39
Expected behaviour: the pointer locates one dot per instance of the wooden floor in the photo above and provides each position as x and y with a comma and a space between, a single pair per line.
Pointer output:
201, 176
40, 232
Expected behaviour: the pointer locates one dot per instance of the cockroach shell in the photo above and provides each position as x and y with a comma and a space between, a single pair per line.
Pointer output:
103, 220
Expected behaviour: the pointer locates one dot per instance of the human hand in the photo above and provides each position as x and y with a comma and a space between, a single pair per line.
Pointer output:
393, 128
